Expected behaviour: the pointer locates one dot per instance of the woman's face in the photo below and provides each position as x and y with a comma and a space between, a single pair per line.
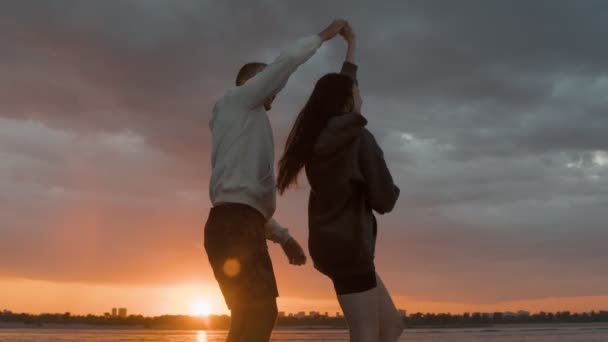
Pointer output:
357, 100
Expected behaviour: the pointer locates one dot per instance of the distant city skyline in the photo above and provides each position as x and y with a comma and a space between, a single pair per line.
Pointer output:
316, 314
312, 319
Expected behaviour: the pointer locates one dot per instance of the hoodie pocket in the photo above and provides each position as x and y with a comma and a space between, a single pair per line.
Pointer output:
338, 252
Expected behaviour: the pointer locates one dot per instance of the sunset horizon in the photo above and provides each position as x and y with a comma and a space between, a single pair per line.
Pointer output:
172, 303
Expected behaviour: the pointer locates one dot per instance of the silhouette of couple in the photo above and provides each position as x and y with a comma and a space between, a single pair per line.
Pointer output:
348, 177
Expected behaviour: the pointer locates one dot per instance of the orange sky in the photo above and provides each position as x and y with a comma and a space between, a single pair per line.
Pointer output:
21, 295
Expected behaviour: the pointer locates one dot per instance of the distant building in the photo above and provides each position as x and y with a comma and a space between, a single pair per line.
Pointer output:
326, 314
122, 312
114, 311
281, 314
522, 313
314, 314
338, 314
300, 314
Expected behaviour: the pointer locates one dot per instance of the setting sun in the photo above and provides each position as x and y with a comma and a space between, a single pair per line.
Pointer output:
201, 308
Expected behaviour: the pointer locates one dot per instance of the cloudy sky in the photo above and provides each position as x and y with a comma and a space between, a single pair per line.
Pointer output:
493, 116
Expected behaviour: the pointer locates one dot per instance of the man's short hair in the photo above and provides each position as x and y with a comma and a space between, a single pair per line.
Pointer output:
247, 71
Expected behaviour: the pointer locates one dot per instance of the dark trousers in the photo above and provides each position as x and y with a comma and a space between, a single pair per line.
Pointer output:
236, 247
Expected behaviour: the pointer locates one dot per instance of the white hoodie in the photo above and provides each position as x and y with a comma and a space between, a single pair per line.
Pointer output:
242, 158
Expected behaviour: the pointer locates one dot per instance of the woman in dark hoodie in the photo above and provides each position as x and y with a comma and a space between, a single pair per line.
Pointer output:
349, 181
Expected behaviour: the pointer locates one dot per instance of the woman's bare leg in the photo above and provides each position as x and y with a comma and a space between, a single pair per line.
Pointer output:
391, 324
361, 313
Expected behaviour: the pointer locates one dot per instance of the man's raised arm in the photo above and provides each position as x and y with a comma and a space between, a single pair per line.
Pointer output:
274, 76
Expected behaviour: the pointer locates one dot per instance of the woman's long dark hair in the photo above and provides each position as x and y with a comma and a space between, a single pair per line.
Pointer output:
332, 94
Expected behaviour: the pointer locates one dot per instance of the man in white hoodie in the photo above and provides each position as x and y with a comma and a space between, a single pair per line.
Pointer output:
243, 191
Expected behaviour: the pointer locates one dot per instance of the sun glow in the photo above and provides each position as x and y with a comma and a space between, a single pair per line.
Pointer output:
201, 308
201, 336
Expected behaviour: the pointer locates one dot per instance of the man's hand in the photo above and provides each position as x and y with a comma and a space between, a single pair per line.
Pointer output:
294, 252
348, 34
332, 30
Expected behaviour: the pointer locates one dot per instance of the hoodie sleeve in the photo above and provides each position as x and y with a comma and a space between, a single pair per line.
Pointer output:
350, 69
382, 193
273, 78
276, 233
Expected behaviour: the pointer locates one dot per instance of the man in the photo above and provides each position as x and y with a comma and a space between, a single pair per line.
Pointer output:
243, 191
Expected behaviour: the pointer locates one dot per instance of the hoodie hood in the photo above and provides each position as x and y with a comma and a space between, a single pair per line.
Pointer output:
340, 130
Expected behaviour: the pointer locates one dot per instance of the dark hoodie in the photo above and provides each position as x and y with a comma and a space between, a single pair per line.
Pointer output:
349, 180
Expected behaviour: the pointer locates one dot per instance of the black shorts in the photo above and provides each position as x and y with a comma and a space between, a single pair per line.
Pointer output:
235, 242
347, 284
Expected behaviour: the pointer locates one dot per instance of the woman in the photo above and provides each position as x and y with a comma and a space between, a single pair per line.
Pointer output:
349, 181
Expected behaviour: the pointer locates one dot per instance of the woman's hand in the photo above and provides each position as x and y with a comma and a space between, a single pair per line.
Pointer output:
348, 34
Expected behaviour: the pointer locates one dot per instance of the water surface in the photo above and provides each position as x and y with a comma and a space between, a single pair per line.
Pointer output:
523, 333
